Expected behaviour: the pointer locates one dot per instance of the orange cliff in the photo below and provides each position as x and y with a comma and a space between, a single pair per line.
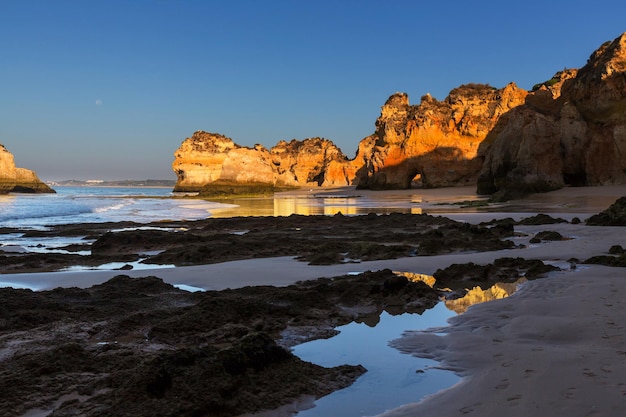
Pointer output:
13, 179
437, 141
205, 158
570, 130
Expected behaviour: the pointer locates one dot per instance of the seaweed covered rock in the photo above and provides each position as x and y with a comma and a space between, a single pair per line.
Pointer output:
501, 270
131, 346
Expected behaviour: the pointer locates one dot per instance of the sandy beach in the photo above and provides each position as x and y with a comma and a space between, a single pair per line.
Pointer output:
555, 348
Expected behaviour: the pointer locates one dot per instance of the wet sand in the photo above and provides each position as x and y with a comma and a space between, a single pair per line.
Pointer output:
556, 347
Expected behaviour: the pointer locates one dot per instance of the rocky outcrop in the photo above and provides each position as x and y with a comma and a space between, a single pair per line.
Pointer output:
307, 162
570, 131
434, 143
21, 180
206, 158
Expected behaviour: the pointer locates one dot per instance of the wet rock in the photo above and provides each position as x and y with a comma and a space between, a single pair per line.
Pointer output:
135, 345
608, 260
549, 235
540, 219
615, 215
460, 276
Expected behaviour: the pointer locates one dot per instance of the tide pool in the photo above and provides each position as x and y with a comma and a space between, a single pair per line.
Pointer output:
392, 378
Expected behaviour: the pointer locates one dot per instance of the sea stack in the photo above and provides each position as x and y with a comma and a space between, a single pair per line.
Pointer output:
568, 130
21, 180
206, 158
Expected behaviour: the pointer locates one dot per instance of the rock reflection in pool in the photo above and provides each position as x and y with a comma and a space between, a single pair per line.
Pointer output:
477, 295
392, 378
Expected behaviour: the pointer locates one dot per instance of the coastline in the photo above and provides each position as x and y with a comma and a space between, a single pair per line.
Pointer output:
566, 203
286, 270
511, 353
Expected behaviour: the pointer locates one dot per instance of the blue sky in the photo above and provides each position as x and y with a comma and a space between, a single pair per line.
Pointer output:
109, 89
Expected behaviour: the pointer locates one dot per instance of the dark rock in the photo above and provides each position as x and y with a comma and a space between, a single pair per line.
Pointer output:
615, 215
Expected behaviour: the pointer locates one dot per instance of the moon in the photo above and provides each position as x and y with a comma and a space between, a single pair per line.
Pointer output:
98, 102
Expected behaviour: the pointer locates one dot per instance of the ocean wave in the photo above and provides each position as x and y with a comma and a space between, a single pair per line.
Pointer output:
70, 206
43, 213
113, 207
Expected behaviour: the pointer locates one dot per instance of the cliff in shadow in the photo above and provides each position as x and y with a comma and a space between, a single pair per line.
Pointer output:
571, 130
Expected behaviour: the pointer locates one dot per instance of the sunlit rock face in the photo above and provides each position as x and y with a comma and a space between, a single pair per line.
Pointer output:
209, 157
309, 162
435, 143
13, 179
570, 131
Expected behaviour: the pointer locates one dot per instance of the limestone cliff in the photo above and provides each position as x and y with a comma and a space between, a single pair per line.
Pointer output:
570, 131
435, 143
205, 158
21, 180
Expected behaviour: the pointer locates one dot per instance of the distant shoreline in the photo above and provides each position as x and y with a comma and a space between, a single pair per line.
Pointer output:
119, 183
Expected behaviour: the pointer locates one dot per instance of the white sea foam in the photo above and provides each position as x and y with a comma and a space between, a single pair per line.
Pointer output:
99, 204
73, 205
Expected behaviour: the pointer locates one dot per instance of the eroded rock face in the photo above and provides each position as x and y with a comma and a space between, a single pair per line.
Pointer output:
13, 179
570, 131
307, 163
206, 157
435, 143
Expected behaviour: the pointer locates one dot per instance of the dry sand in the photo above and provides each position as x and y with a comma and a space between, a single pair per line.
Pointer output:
556, 348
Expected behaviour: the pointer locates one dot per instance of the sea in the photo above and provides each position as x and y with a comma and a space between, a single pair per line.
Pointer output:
142, 205
71, 205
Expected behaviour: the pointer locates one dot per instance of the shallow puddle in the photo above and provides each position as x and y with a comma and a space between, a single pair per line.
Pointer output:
392, 378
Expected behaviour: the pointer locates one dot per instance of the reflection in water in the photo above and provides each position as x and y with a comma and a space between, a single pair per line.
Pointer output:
477, 295
317, 204
350, 201
257, 206
416, 277
473, 296
392, 378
